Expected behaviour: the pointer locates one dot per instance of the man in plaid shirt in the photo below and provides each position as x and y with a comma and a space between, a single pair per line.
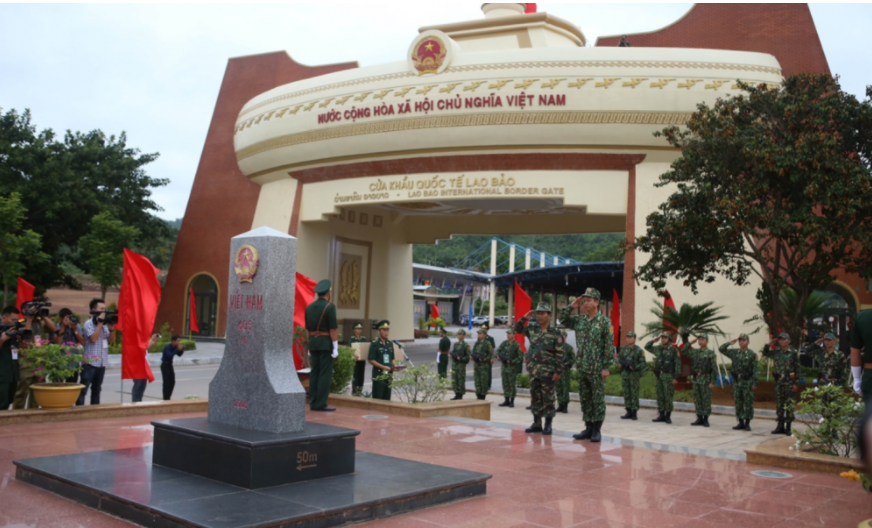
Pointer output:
98, 336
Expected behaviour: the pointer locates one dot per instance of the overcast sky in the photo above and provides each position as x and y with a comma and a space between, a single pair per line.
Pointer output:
154, 70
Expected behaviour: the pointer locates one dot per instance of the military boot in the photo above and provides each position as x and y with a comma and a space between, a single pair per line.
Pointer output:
705, 421
512, 403
586, 434
547, 429
536, 427
635, 414
780, 428
565, 408
479, 396
669, 417
699, 421
505, 403
787, 430
661, 417
595, 436
747, 425
740, 427
627, 416
457, 396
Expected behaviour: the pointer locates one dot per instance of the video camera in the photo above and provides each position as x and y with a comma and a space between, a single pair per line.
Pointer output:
35, 309
19, 331
109, 317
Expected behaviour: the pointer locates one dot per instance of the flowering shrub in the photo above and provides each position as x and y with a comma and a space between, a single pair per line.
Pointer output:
420, 384
831, 415
52, 363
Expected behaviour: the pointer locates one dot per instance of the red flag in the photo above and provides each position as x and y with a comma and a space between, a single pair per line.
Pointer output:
137, 309
616, 317
669, 303
193, 324
523, 304
25, 293
531, 8
434, 312
303, 297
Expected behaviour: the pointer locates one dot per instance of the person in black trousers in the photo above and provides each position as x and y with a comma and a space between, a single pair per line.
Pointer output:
170, 351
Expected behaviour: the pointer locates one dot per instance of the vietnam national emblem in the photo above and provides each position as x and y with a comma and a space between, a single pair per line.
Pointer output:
428, 54
246, 263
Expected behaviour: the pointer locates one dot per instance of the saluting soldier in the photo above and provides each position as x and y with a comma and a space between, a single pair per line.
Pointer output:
745, 373
511, 356
459, 357
444, 349
832, 362
631, 358
323, 346
704, 367
381, 357
785, 369
667, 368
359, 365
545, 366
596, 351
483, 358
562, 387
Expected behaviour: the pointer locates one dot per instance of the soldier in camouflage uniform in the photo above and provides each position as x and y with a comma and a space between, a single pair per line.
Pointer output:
832, 362
596, 351
482, 357
745, 373
631, 358
459, 359
545, 365
489, 338
704, 371
785, 369
510, 355
562, 387
667, 368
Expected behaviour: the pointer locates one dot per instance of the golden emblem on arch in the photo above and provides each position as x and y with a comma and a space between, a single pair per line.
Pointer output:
428, 55
246, 263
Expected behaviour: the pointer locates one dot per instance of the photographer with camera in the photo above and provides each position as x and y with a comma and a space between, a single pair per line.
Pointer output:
68, 331
10, 330
99, 335
35, 318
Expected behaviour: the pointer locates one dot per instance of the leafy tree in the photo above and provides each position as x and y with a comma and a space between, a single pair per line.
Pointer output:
774, 183
103, 249
688, 320
18, 246
64, 182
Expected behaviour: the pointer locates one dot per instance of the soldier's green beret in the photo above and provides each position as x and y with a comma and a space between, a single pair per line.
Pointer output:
831, 336
745, 337
384, 323
510, 331
631, 334
703, 336
461, 332
783, 335
358, 325
323, 287
543, 307
482, 330
593, 293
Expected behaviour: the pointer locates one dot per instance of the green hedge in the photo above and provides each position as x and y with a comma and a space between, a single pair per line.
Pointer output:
343, 370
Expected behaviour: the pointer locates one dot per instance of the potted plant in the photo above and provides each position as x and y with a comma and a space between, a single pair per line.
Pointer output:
54, 364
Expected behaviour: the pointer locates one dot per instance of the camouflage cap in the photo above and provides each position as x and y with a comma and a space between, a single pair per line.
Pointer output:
593, 293
664, 334
563, 332
702, 336
831, 336
631, 334
745, 337
482, 330
543, 307
510, 331
783, 335
461, 332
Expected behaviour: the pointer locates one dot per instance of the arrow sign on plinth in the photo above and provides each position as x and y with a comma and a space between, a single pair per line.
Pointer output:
301, 468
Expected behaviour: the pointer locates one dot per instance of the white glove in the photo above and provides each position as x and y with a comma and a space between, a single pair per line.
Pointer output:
858, 379
438, 356
335, 353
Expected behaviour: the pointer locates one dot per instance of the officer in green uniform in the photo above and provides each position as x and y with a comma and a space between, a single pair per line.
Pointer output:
785, 369
483, 358
667, 368
510, 355
459, 358
745, 373
832, 363
359, 366
562, 387
861, 355
9, 369
596, 352
631, 358
704, 369
323, 346
444, 349
493, 344
381, 357
545, 366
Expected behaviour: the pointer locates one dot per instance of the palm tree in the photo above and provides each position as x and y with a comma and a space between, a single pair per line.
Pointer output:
815, 306
688, 320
